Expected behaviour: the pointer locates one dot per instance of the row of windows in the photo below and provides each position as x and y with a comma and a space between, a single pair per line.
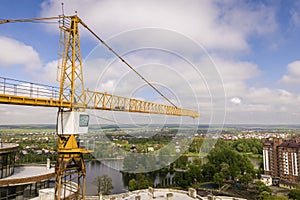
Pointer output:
23, 192
7, 164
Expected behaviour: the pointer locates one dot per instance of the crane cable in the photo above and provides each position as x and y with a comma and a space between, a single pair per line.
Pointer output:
33, 20
102, 41
124, 61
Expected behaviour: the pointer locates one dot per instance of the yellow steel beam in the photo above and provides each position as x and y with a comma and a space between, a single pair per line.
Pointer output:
31, 101
71, 64
4, 21
101, 101
104, 101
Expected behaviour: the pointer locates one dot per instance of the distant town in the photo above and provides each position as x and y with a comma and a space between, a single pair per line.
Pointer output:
240, 163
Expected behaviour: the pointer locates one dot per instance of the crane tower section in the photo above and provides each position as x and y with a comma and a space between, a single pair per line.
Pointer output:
70, 66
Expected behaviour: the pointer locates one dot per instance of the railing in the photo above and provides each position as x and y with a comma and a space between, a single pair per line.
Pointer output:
14, 87
17, 92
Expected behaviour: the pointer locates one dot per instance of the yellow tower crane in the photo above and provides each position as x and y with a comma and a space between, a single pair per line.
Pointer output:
72, 101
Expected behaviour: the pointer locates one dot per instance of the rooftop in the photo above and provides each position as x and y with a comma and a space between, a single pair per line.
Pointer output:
8, 147
25, 174
160, 194
291, 144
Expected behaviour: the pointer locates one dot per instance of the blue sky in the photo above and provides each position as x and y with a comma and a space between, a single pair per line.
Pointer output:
254, 45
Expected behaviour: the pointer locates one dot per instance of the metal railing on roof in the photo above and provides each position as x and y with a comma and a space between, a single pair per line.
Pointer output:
15, 87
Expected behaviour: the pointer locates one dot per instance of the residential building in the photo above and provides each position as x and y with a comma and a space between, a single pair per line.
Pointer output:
281, 160
270, 158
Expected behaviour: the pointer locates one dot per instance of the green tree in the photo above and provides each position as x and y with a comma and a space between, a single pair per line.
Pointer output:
142, 181
242, 147
132, 185
194, 173
263, 190
139, 181
246, 179
225, 170
254, 150
181, 162
208, 171
197, 161
248, 145
219, 178
181, 179
196, 145
279, 198
104, 184
225, 157
264, 195
294, 194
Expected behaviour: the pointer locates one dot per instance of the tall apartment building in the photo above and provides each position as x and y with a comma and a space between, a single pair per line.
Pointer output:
281, 160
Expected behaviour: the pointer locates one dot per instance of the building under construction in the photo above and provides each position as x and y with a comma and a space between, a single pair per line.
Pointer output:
22, 182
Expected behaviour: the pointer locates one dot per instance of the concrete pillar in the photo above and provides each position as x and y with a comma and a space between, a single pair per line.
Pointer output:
192, 193
100, 196
151, 191
210, 197
169, 196
48, 163
46, 194
138, 197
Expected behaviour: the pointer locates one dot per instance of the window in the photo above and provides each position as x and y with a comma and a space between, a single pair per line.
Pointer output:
83, 120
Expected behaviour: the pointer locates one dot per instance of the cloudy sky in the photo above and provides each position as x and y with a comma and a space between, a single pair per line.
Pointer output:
233, 60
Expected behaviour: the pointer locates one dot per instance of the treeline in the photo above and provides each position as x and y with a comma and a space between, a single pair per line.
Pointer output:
223, 163
254, 146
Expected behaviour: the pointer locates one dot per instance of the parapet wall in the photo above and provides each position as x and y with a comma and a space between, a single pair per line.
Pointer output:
151, 192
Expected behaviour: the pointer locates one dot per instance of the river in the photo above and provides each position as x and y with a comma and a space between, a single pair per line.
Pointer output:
94, 169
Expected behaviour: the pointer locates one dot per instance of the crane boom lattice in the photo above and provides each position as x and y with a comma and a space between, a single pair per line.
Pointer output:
32, 94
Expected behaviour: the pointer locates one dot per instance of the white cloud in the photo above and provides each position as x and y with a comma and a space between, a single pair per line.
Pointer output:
218, 25
13, 52
259, 104
25, 59
109, 85
48, 74
265, 105
222, 27
235, 75
28, 90
236, 100
292, 77
295, 18
11, 114
184, 82
247, 17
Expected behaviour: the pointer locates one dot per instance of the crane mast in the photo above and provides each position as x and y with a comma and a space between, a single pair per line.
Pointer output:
72, 101
70, 169
71, 79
